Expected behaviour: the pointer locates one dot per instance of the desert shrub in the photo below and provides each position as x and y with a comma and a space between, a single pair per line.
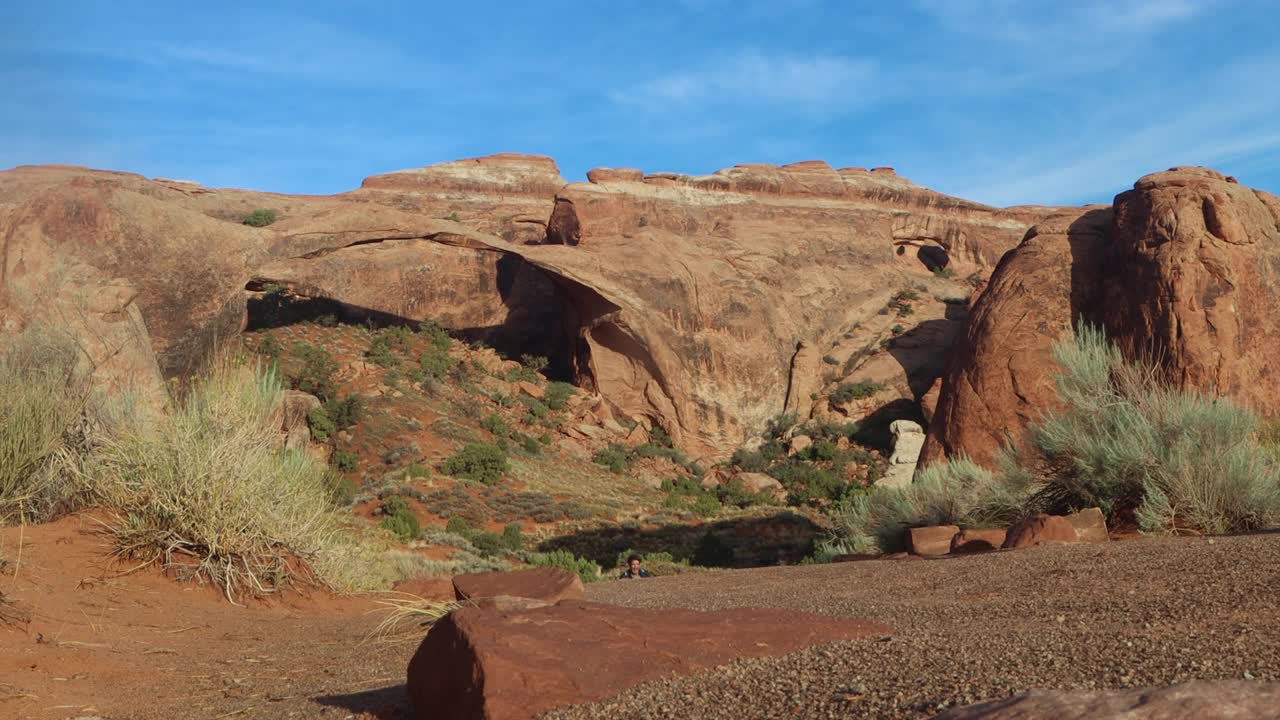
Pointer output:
341, 489
848, 392
974, 279
956, 492
828, 359
315, 370
537, 363
530, 445
749, 460
41, 402
207, 491
901, 301
489, 544
707, 505
734, 493
380, 352
558, 393
458, 526
322, 426
482, 462
495, 424
712, 551
345, 412
432, 365
821, 450
537, 408
1173, 460
615, 457
270, 347
398, 518
831, 430
436, 335
778, 425
513, 536
586, 569
944, 272
345, 460
808, 484
261, 217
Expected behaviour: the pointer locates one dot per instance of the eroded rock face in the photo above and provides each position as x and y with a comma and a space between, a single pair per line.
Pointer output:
508, 665
697, 290
1222, 699
1184, 268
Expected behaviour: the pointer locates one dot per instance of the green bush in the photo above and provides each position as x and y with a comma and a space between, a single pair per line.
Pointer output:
458, 526
380, 352
530, 445
944, 272
615, 457
828, 359
346, 412
558, 394
707, 505
537, 408
341, 489
482, 462
270, 347
586, 569
808, 484
848, 392
432, 365
315, 371
398, 517
436, 335
749, 460
345, 460
261, 217
496, 425
537, 363
322, 426
490, 544
513, 537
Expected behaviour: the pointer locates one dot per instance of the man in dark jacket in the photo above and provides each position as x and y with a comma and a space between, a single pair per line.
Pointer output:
634, 570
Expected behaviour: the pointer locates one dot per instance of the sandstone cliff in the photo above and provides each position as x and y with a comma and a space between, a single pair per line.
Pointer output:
681, 299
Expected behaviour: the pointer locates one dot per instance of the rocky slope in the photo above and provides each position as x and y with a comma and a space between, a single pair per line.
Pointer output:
683, 300
1183, 269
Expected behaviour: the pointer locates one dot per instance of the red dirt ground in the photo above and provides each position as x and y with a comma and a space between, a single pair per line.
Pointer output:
91, 639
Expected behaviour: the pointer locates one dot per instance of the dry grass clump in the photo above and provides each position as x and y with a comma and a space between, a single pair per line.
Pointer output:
408, 616
42, 412
208, 491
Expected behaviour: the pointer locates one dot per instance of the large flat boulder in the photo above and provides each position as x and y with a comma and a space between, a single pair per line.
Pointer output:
512, 665
549, 584
1220, 699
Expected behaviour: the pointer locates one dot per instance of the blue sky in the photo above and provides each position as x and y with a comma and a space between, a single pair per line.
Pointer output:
996, 100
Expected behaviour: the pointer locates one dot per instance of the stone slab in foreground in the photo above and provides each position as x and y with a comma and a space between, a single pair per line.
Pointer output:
1221, 700
496, 665
550, 584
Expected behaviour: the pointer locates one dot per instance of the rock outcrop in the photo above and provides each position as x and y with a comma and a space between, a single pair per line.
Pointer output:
694, 292
516, 664
549, 584
1183, 269
680, 299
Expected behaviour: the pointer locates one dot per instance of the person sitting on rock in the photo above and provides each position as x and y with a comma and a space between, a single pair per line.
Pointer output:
634, 570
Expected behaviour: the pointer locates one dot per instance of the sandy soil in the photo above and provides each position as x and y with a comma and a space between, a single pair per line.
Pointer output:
104, 644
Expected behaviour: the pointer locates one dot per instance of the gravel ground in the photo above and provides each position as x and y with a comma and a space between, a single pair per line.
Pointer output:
1133, 613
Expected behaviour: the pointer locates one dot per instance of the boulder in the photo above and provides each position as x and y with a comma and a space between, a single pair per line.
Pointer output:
428, 588
1220, 699
798, 444
978, 540
761, 483
518, 664
1180, 268
549, 584
908, 437
595, 432
932, 540
1090, 525
533, 390
1040, 529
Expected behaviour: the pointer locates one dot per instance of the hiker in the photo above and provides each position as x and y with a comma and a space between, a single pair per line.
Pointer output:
634, 570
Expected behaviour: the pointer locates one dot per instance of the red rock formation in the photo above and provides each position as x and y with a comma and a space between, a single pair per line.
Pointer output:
509, 665
549, 584
1183, 269
1222, 699
696, 290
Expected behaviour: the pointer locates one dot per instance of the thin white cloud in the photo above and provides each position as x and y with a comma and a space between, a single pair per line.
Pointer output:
753, 78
